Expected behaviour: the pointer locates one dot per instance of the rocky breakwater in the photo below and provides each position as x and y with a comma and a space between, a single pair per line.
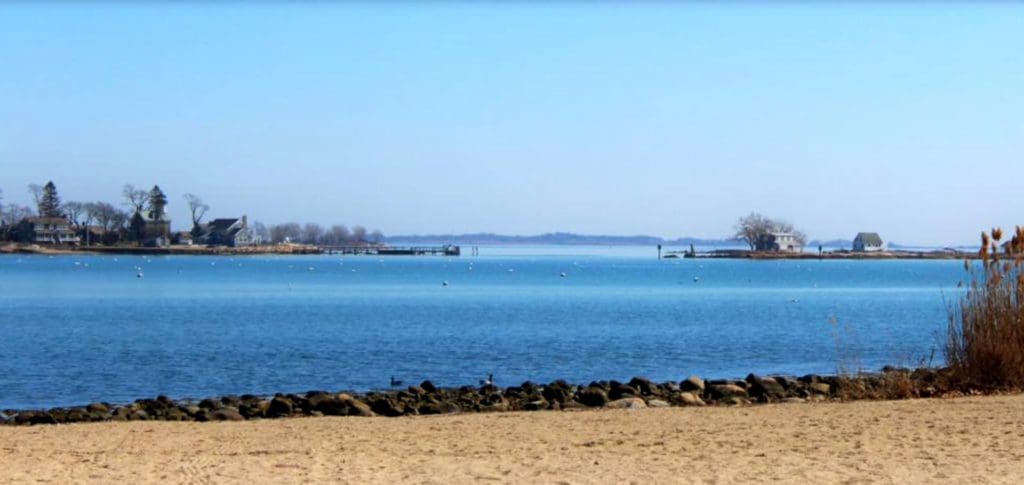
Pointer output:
426, 399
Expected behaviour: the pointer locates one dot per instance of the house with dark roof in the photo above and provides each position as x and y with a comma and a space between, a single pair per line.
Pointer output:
152, 229
866, 242
233, 232
45, 230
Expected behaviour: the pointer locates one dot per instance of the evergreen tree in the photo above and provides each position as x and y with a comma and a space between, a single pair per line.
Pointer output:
49, 202
157, 203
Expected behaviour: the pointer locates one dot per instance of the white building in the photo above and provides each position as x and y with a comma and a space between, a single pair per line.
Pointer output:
867, 242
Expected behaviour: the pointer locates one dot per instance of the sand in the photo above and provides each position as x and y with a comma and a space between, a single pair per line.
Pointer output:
978, 439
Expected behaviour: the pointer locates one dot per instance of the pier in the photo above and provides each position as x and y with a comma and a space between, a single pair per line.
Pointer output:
446, 250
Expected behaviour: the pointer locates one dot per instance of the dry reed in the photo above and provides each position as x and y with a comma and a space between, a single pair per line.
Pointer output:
985, 345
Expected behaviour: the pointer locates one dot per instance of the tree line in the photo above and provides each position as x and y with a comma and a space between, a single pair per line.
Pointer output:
116, 222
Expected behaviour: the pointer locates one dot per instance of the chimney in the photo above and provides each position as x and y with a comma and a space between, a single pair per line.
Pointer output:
245, 222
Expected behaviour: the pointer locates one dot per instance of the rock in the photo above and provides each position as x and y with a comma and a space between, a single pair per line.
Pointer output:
820, 388
44, 418
765, 387
280, 407
98, 408
794, 400
644, 385
536, 405
439, 408
176, 414
386, 407
138, 415
428, 387
657, 403
226, 414
24, 417
120, 413
620, 390
495, 402
690, 399
253, 409
593, 397
692, 384
556, 393
724, 391
810, 379
77, 415
627, 403
734, 401
787, 383
210, 404
359, 408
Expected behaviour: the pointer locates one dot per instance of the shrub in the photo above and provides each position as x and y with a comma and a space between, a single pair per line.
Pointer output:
985, 345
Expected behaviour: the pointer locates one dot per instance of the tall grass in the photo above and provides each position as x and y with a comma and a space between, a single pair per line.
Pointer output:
985, 346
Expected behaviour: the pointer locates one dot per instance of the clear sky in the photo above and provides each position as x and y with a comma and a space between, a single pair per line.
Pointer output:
662, 119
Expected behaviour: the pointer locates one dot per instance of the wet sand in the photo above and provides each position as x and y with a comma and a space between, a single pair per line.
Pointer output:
976, 440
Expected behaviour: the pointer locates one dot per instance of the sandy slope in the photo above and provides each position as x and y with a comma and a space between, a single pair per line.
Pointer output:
960, 440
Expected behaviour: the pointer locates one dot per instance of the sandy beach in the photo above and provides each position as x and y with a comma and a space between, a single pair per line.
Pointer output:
978, 439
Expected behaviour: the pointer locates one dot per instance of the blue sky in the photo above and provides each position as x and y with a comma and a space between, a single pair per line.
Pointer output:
663, 119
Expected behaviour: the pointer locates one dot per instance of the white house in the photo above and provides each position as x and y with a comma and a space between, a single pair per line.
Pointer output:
867, 242
786, 242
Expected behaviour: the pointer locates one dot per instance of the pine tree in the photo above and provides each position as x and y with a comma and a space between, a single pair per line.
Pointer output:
49, 203
157, 203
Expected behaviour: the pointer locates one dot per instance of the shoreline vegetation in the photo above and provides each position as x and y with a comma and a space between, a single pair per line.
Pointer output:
427, 399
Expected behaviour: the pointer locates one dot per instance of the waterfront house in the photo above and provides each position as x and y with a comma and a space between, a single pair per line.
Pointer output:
233, 232
867, 242
785, 242
152, 229
45, 230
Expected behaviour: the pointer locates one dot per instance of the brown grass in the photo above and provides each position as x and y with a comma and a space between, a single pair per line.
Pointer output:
985, 345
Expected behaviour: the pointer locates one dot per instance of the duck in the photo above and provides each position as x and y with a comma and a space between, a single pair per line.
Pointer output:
395, 382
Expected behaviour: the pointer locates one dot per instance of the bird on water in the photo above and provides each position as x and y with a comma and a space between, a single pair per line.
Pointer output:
395, 382
489, 381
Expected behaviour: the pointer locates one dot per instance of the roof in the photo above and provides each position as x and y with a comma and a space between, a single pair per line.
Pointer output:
869, 238
48, 220
222, 224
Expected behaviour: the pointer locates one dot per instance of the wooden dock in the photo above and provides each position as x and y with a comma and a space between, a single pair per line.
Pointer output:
446, 250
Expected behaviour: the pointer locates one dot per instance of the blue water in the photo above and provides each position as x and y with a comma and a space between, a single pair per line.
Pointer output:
77, 329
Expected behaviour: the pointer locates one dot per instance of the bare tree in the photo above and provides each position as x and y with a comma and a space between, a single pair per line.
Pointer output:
337, 235
287, 232
376, 236
261, 231
15, 213
197, 208
104, 214
74, 211
134, 198
312, 233
37, 193
358, 234
758, 231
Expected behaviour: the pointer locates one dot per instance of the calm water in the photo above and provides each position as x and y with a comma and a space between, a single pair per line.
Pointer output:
79, 329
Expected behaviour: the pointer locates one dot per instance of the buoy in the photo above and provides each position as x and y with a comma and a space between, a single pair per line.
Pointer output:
562, 274
138, 275
444, 283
